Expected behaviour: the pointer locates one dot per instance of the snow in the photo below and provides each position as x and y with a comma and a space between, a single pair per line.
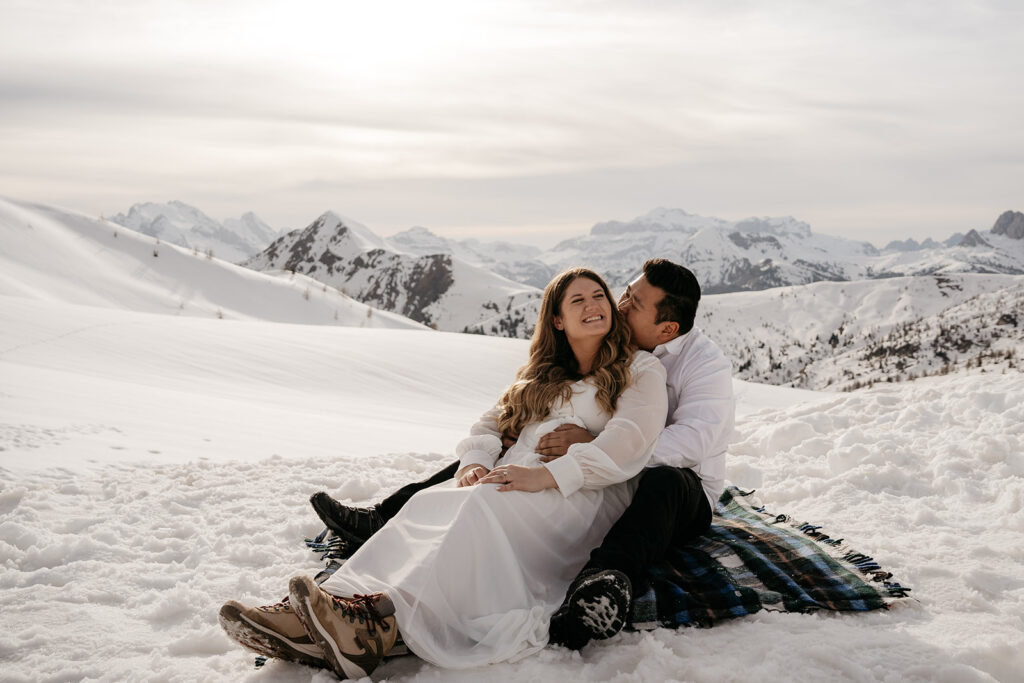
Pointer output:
155, 463
52, 254
155, 466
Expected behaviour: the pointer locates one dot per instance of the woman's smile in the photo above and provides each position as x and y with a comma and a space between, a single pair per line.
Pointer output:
585, 310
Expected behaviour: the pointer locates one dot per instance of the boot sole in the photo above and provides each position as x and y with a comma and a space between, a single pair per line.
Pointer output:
599, 605
262, 640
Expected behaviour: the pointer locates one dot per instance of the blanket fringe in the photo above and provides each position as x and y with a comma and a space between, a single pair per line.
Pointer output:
838, 550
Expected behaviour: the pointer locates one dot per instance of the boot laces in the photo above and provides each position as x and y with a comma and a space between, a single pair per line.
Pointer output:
283, 606
363, 609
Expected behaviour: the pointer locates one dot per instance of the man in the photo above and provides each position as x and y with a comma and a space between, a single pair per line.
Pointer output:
675, 495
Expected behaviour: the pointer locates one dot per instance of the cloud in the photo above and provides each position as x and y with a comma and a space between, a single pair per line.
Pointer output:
779, 104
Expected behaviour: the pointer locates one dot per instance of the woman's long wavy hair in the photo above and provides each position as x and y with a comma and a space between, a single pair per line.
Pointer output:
552, 368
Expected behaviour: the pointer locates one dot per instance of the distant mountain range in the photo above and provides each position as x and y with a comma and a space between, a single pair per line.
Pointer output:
746, 255
823, 335
176, 222
492, 287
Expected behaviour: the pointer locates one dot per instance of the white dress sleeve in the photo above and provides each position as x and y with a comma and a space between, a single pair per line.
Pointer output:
624, 446
483, 445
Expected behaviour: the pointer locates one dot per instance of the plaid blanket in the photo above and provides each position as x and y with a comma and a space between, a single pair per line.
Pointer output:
752, 560
748, 561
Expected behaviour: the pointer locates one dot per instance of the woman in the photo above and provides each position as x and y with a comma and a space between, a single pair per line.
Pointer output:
471, 571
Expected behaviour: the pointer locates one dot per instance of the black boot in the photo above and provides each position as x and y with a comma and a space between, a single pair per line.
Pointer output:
352, 524
595, 607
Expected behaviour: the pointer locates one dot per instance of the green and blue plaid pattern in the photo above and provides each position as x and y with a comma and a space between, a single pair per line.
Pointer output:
751, 560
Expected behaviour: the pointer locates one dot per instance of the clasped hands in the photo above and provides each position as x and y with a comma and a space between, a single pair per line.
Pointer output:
552, 445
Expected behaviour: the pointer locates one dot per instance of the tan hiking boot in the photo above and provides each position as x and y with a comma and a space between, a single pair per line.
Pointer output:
272, 631
352, 633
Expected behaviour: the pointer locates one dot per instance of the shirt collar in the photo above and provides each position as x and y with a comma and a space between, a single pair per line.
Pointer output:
673, 347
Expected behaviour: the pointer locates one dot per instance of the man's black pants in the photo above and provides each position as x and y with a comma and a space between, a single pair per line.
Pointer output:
668, 509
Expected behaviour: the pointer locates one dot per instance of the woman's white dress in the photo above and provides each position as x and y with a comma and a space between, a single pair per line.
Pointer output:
475, 574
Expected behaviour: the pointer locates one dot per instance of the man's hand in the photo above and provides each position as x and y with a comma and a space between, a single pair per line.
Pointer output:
507, 442
519, 478
555, 444
469, 475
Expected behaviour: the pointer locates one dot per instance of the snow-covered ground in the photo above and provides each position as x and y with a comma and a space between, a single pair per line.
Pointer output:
155, 466
163, 419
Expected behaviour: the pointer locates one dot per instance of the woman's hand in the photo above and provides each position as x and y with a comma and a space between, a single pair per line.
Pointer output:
469, 475
519, 478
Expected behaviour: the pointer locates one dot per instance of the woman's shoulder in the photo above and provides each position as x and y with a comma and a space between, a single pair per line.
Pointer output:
645, 361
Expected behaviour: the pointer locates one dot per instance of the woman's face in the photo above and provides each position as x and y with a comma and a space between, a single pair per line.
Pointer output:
585, 311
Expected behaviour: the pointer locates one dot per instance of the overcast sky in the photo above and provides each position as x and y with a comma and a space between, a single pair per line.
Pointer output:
529, 120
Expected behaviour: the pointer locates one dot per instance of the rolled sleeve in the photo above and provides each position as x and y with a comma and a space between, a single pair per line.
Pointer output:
483, 445
479, 450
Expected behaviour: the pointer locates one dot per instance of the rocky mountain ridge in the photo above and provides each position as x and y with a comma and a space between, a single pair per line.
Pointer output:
439, 290
492, 287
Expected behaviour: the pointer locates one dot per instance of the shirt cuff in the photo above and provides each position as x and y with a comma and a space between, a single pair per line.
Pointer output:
482, 449
567, 473
477, 458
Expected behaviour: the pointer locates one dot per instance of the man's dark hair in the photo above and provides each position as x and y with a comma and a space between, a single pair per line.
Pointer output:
682, 292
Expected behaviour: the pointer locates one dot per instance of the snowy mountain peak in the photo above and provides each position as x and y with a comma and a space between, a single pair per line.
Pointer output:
144, 214
666, 216
1011, 224
913, 245
679, 221
435, 288
345, 228
420, 240
659, 220
186, 226
973, 239
785, 225
251, 229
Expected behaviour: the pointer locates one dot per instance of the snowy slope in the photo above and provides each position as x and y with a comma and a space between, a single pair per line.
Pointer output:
439, 290
186, 226
153, 466
845, 335
50, 254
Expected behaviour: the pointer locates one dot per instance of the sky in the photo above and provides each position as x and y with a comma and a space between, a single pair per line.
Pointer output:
531, 121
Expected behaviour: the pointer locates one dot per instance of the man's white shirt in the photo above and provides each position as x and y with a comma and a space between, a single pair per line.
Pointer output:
701, 410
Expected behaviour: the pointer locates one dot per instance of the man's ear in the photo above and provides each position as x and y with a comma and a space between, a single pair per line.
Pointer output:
669, 330
557, 322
